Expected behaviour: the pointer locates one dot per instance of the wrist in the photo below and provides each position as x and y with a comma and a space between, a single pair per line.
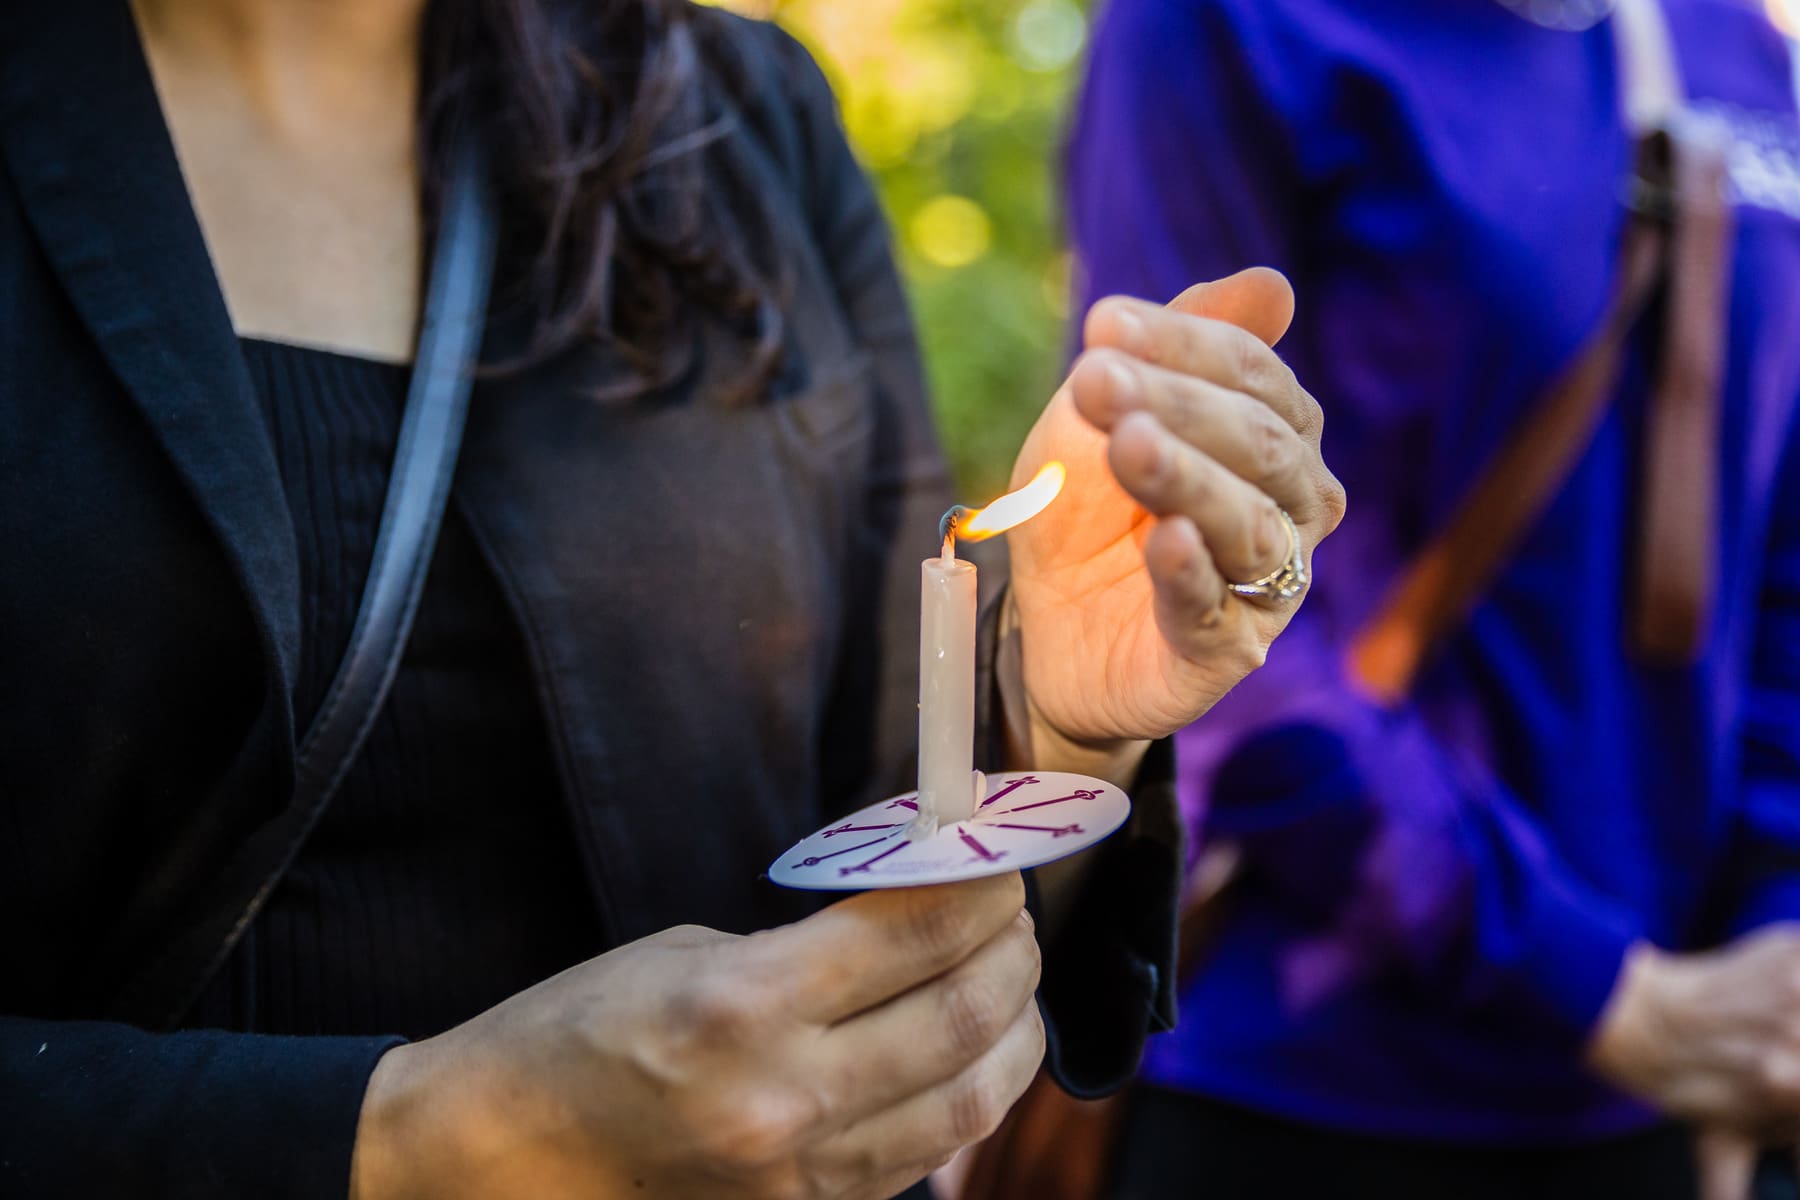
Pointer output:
1046, 749
1629, 1042
393, 1126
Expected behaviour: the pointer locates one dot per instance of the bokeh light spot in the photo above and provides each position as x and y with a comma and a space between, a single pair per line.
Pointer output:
951, 231
1047, 34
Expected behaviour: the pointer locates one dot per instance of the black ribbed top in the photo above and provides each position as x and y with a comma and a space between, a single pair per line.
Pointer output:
443, 876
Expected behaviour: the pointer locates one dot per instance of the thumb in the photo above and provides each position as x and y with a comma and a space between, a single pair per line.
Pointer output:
1259, 299
1726, 1164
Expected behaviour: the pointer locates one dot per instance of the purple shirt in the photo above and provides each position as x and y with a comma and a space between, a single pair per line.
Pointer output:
1438, 899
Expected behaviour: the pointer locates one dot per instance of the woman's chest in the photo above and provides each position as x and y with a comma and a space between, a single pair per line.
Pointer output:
682, 569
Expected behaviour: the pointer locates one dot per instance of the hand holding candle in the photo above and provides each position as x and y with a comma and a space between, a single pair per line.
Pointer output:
1185, 439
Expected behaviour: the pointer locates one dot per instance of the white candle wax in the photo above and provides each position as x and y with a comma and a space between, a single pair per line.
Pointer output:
946, 692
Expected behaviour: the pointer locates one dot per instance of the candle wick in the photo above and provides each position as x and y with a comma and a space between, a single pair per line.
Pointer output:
947, 530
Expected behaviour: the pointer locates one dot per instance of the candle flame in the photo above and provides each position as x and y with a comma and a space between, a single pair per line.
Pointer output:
1014, 507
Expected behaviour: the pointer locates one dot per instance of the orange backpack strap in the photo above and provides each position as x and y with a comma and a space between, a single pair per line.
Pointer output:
1444, 582
1678, 239
1676, 563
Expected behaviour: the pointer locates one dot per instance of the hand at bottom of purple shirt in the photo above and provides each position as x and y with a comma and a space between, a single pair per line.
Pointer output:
1712, 1037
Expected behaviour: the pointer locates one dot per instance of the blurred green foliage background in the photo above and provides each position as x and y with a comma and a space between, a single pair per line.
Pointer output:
957, 108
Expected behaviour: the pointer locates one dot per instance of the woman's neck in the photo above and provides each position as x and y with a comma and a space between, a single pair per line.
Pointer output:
296, 125
308, 69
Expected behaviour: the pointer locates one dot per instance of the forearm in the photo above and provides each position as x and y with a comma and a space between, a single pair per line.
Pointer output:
99, 1109
1109, 962
1368, 820
1106, 916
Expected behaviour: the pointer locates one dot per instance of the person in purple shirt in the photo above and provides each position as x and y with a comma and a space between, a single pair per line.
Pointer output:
1491, 940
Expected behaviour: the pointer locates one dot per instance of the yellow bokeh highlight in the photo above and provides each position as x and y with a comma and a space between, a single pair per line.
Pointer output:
956, 107
950, 231
899, 73
1786, 15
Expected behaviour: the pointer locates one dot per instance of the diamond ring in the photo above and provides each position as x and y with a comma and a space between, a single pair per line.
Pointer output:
1286, 581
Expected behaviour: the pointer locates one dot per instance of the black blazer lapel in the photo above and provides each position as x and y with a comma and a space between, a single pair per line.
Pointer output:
96, 171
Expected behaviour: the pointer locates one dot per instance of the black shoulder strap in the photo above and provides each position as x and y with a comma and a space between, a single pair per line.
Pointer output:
418, 490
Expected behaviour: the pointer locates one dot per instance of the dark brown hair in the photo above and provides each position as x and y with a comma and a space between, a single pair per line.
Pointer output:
598, 117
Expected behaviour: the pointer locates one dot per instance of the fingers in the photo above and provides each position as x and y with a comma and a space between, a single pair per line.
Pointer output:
870, 948
933, 1124
931, 1033
1223, 353
1202, 378
1244, 435
1240, 525
1259, 299
1190, 592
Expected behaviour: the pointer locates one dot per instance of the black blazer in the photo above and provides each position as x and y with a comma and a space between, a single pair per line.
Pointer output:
744, 663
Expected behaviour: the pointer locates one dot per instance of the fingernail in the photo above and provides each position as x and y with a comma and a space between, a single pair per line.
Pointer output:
1131, 329
1122, 387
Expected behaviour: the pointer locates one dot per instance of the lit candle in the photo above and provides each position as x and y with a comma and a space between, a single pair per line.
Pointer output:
948, 782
